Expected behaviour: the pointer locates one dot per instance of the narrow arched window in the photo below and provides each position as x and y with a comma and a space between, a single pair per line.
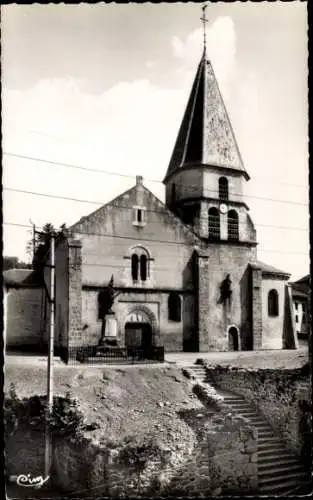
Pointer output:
174, 307
214, 224
143, 267
223, 188
233, 226
135, 266
273, 309
173, 189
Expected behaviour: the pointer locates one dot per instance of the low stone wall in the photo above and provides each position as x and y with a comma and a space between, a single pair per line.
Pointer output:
218, 455
25, 452
93, 470
24, 317
282, 396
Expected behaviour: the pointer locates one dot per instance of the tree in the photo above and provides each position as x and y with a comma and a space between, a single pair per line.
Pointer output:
14, 263
42, 244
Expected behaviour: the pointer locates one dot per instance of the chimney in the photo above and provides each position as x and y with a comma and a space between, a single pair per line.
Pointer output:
139, 180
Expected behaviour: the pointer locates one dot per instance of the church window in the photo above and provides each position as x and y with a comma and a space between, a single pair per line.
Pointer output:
174, 307
296, 306
233, 226
173, 188
273, 303
223, 188
140, 264
297, 319
143, 267
135, 267
139, 218
214, 224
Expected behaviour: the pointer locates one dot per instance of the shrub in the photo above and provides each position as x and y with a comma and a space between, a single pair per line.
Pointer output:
65, 417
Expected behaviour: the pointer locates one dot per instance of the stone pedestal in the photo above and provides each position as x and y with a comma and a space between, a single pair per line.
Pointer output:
109, 331
110, 326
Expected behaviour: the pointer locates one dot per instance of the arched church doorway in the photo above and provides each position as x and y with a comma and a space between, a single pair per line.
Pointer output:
138, 332
233, 339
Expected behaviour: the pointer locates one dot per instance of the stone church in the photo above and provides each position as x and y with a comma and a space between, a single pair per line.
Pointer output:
184, 274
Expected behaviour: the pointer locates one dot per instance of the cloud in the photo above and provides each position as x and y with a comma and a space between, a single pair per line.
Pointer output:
150, 64
129, 129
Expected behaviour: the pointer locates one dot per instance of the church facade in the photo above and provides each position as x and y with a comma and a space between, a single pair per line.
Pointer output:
185, 273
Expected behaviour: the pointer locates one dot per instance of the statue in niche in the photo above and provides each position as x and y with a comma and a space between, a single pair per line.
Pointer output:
106, 300
226, 291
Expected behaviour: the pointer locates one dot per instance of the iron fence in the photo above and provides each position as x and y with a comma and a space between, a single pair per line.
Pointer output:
112, 355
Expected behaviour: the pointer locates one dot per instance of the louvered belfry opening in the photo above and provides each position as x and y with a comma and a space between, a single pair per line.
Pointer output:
223, 188
233, 225
214, 224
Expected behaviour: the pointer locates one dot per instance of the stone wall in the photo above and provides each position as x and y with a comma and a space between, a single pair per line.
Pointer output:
257, 306
218, 455
74, 293
61, 294
166, 240
24, 316
25, 452
173, 335
224, 459
283, 397
273, 326
232, 259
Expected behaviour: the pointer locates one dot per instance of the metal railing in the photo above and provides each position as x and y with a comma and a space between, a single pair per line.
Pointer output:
112, 355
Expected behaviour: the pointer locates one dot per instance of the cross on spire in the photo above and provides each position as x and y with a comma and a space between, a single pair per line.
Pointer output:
204, 21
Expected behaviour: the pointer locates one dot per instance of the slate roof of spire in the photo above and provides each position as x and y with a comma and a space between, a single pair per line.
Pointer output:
206, 135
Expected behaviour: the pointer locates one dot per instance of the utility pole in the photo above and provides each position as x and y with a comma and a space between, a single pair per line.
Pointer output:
34, 237
50, 357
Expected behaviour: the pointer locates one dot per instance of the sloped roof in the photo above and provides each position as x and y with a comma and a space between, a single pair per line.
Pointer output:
206, 135
304, 280
20, 277
266, 268
299, 293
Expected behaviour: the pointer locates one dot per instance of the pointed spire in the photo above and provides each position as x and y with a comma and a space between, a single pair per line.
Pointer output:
206, 136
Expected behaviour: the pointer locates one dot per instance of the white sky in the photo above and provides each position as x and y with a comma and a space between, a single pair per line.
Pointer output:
105, 87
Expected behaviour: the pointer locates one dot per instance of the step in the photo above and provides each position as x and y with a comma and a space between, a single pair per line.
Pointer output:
272, 446
270, 462
235, 401
261, 426
245, 413
243, 406
281, 452
280, 478
268, 439
280, 486
245, 409
258, 421
279, 468
265, 435
234, 397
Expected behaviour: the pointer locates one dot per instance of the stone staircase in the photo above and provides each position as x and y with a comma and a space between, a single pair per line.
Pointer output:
280, 472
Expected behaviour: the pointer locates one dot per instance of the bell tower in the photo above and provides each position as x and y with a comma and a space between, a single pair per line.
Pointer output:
205, 177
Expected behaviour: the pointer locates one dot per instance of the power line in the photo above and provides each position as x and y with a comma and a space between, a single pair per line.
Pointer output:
79, 200
106, 172
140, 240
271, 226
69, 165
